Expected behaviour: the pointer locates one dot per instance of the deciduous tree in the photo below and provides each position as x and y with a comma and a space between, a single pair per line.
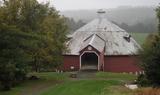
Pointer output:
32, 35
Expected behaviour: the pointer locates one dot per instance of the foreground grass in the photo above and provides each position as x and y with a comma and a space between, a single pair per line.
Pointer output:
103, 84
60, 84
81, 87
35, 87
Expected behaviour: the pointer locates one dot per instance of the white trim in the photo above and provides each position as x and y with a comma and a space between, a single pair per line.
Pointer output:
88, 52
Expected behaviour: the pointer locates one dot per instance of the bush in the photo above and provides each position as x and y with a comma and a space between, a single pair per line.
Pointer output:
150, 61
142, 81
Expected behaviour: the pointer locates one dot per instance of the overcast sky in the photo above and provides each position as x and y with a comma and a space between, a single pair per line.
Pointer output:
98, 4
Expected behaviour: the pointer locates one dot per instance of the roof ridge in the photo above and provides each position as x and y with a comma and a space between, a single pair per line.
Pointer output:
88, 37
100, 37
93, 37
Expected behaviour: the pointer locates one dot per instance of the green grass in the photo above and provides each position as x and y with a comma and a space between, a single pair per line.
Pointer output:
14, 91
103, 84
140, 37
60, 84
51, 75
35, 87
81, 87
123, 77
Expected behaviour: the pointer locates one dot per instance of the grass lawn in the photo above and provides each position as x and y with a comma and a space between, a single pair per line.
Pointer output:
103, 84
123, 77
60, 84
36, 87
82, 87
140, 37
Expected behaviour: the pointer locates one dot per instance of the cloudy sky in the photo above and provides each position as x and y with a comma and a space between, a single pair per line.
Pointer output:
98, 4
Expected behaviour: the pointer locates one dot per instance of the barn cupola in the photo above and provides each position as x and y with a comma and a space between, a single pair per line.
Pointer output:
101, 13
101, 16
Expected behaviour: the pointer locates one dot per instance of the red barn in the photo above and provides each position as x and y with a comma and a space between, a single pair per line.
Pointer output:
103, 46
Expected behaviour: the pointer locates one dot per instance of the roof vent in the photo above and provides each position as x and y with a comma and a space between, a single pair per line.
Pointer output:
101, 13
127, 38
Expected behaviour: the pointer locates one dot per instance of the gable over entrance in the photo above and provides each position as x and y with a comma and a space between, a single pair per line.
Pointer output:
91, 51
95, 41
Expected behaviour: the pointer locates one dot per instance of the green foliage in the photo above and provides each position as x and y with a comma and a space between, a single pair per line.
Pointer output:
74, 25
150, 60
41, 21
12, 57
32, 37
150, 57
142, 81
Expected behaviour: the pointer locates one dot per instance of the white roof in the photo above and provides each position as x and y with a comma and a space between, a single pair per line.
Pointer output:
103, 34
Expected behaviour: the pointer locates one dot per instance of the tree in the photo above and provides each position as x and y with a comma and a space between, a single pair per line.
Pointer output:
52, 33
13, 59
32, 35
73, 25
150, 57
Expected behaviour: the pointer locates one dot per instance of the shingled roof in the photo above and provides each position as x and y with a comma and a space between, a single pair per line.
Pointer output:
95, 41
103, 34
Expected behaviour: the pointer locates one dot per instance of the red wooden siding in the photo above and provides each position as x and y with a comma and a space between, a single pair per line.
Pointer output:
111, 63
102, 60
121, 64
71, 60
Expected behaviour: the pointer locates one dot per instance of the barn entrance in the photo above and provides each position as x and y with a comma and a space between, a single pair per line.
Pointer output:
89, 61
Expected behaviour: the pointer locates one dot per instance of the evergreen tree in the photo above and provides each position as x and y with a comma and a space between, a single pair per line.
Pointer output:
13, 60
151, 57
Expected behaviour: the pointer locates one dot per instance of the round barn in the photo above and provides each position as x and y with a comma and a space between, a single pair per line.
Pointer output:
103, 46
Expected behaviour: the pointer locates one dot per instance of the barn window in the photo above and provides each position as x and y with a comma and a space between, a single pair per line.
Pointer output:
127, 38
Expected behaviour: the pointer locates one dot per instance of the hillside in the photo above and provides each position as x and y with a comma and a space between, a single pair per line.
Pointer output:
134, 19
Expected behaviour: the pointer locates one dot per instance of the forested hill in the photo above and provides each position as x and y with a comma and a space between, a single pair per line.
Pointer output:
133, 19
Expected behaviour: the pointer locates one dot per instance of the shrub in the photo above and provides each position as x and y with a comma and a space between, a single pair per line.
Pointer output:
150, 61
142, 81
